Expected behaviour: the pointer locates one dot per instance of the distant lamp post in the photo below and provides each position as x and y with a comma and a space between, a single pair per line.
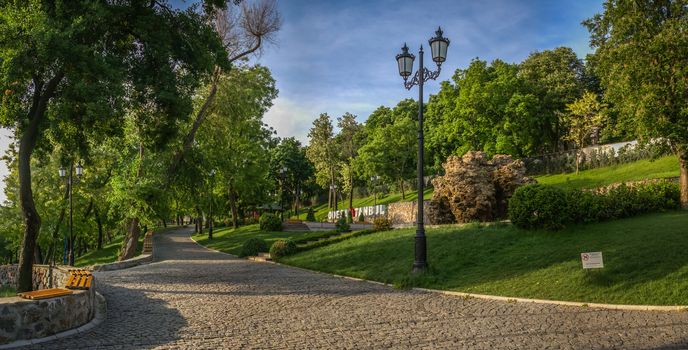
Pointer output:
68, 255
438, 46
283, 172
212, 223
334, 187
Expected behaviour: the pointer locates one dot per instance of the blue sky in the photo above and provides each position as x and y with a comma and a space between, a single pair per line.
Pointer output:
338, 56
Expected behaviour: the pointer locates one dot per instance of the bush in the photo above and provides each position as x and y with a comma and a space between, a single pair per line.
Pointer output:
539, 206
270, 222
253, 246
382, 224
342, 226
361, 217
311, 215
349, 219
282, 248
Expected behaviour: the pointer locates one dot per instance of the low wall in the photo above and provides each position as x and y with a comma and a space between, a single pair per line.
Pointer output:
29, 319
404, 213
44, 276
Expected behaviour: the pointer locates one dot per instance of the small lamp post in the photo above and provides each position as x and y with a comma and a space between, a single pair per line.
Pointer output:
438, 46
333, 187
68, 255
283, 172
374, 180
212, 223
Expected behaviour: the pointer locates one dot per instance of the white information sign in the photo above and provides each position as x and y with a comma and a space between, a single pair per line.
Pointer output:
592, 260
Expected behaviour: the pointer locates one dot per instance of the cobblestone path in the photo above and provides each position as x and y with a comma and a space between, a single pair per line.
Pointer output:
197, 299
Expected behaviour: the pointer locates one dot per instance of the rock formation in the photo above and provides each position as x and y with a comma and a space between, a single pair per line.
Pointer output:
475, 188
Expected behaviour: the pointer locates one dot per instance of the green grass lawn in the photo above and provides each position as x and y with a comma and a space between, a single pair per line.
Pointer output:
108, 254
7, 291
645, 260
231, 240
643, 169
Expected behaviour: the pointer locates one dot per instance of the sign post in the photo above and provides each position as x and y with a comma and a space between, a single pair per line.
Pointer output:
592, 260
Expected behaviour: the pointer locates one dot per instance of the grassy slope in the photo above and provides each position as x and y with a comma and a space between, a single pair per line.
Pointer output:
643, 169
106, 255
644, 257
229, 240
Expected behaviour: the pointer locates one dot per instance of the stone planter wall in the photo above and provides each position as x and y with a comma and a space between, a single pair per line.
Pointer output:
22, 319
404, 213
43, 276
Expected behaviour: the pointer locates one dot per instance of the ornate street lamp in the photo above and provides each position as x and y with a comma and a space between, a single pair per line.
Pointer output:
438, 46
68, 256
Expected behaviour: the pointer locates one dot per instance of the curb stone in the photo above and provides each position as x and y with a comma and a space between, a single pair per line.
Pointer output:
660, 308
98, 318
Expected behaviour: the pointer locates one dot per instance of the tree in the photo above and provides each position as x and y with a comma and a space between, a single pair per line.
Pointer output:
349, 139
583, 117
290, 154
324, 152
67, 75
234, 140
556, 78
642, 62
390, 153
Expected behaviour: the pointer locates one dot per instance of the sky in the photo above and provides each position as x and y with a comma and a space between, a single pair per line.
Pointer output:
337, 56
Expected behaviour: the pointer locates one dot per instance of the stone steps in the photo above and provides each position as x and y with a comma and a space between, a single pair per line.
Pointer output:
291, 226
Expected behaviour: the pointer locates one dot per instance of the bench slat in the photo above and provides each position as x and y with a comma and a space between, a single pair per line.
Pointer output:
45, 293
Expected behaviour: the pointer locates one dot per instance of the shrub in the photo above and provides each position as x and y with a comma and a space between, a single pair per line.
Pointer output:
349, 219
250, 220
253, 246
311, 215
270, 222
341, 225
381, 223
539, 206
361, 217
282, 248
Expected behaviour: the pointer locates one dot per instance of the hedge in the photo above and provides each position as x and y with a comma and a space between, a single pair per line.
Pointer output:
539, 206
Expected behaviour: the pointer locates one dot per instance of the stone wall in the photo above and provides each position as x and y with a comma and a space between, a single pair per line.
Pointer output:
403, 213
29, 319
44, 276
605, 189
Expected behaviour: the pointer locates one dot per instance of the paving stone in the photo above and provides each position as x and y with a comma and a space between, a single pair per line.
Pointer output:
193, 298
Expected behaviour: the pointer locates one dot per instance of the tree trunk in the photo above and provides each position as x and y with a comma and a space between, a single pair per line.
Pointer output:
132, 239
577, 161
38, 255
401, 185
27, 143
233, 207
99, 223
683, 179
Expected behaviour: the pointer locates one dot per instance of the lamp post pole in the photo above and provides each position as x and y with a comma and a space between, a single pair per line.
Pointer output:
438, 45
212, 223
71, 233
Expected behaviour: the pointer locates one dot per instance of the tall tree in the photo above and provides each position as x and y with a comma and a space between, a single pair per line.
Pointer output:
349, 139
324, 152
583, 116
642, 60
67, 66
290, 154
556, 78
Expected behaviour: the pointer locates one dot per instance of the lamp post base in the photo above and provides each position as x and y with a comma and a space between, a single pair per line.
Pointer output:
420, 264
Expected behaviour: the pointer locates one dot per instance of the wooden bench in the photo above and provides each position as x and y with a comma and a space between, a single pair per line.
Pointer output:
45, 293
148, 242
79, 279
